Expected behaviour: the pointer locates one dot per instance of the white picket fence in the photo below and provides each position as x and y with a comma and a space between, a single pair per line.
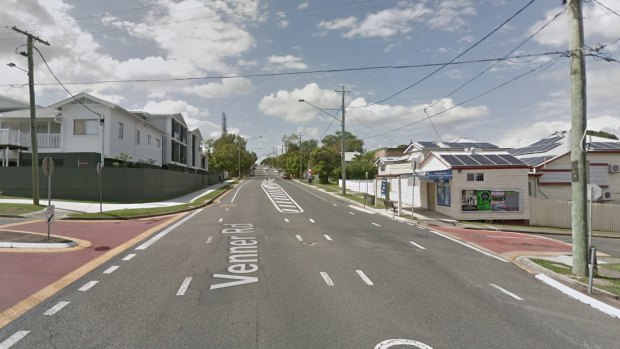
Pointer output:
362, 186
557, 213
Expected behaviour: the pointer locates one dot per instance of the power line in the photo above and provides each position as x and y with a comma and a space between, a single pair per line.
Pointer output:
544, 65
608, 9
305, 72
453, 59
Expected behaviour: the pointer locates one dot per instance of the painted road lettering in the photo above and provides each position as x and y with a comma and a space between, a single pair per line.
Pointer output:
242, 256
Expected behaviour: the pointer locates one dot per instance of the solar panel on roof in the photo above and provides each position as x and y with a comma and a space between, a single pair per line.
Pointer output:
467, 160
605, 145
482, 159
427, 144
497, 160
452, 160
511, 159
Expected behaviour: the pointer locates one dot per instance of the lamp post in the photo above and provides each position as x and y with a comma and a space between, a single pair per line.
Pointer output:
246, 141
343, 165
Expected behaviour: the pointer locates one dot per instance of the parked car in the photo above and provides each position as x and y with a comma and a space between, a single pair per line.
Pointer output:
286, 176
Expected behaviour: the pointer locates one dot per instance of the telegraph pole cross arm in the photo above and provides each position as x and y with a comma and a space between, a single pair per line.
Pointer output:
33, 113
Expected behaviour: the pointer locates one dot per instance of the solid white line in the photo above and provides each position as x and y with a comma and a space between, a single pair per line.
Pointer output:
53, 310
184, 286
373, 223
507, 292
312, 220
361, 209
596, 304
237, 192
129, 257
392, 342
364, 277
309, 192
469, 246
286, 220
111, 269
220, 220
88, 286
417, 245
299, 238
327, 279
164, 232
13, 339
209, 239
327, 237
351, 213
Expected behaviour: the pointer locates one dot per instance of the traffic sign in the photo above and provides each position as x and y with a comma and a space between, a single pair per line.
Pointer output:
49, 213
48, 166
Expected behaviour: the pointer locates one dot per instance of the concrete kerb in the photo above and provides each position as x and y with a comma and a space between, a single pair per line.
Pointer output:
529, 230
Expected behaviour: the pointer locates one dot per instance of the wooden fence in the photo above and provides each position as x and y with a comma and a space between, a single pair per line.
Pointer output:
557, 213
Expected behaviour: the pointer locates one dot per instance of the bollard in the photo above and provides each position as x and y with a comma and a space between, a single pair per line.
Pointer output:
592, 269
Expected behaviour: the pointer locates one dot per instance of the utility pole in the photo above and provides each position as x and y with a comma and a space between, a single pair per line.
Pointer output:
33, 113
301, 171
342, 150
577, 135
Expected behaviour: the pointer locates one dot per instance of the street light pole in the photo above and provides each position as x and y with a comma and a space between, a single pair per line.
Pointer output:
343, 164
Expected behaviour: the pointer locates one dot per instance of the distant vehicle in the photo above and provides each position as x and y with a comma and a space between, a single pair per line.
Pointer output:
286, 176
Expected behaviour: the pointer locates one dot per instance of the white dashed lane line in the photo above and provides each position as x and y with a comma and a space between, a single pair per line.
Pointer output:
327, 279
299, 238
312, 220
184, 286
417, 245
88, 286
286, 220
111, 269
129, 257
373, 223
9, 342
226, 209
364, 277
209, 239
53, 310
334, 205
327, 237
507, 292
351, 213
220, 220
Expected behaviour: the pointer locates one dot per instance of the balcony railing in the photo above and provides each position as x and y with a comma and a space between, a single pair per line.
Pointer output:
22, 139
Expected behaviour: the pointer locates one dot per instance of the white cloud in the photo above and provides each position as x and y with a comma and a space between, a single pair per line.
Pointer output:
288, 61
282, 20
227, 88
302, 6
244, 63
286, 105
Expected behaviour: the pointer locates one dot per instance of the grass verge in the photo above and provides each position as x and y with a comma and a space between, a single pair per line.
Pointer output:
609, 284
18, 209
141, 212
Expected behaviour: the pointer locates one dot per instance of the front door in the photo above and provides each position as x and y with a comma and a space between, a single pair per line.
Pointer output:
430, 195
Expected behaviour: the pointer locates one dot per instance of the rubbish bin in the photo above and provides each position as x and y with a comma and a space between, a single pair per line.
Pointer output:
370, 199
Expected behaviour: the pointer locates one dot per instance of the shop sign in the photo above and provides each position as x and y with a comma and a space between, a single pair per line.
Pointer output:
394, 169
490, 200
435, 175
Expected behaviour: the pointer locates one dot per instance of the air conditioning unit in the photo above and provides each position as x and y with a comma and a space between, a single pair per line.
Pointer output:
607, 195
614, 168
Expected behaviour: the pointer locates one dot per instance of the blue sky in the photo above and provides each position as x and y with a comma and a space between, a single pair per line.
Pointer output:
139, 39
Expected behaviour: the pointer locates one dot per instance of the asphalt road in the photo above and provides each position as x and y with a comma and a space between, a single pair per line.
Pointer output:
610, 246
327, 275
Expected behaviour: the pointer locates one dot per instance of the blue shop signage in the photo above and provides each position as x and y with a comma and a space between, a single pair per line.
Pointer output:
436, 176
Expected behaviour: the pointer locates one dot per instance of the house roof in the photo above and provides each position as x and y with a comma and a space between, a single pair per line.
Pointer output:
8, 104
177, 116
469, 160
42, 112
457, 144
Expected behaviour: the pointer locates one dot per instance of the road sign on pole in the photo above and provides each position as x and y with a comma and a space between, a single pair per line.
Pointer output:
49, 218
48, 166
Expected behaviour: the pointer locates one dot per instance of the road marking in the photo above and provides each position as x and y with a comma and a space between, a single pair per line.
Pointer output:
334, 205
53, 310
309, 192
286, 220
129, 257
507, 292
220, 220
209, 239
327, 279
417, 245
13, 339
88, 286
280, 198
469, 246
596, 304
392, 342
111, 269
184, 286
237, 192
351, 213
410, 224
373, 223
299, 238
164, 232
226, 209
312, 220
327, 237
364, 277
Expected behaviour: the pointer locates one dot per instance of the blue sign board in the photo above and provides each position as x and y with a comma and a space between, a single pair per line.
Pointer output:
435, 175
384, 186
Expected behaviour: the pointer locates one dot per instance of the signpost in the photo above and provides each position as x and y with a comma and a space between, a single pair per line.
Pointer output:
48, 170
99, 169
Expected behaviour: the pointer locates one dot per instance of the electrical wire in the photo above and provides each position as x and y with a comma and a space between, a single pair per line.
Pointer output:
304, 72
605, 6
452, 60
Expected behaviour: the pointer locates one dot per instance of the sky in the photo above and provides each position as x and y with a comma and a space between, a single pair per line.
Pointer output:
254, 60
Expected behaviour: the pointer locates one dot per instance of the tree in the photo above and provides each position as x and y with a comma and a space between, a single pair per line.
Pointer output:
361, 164
351, 142
323, 162
228, 153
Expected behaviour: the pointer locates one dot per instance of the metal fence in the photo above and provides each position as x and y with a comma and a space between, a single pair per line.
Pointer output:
557, 213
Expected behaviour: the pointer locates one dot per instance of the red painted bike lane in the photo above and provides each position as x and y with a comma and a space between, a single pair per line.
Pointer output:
28, 278
508, 244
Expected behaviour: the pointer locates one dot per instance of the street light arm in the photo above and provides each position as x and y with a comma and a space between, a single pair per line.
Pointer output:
319, 109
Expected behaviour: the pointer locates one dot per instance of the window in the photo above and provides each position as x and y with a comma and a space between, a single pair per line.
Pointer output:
85, 127
138, 137
443, 194
148, 139
475, 177
121, 128
158, 142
